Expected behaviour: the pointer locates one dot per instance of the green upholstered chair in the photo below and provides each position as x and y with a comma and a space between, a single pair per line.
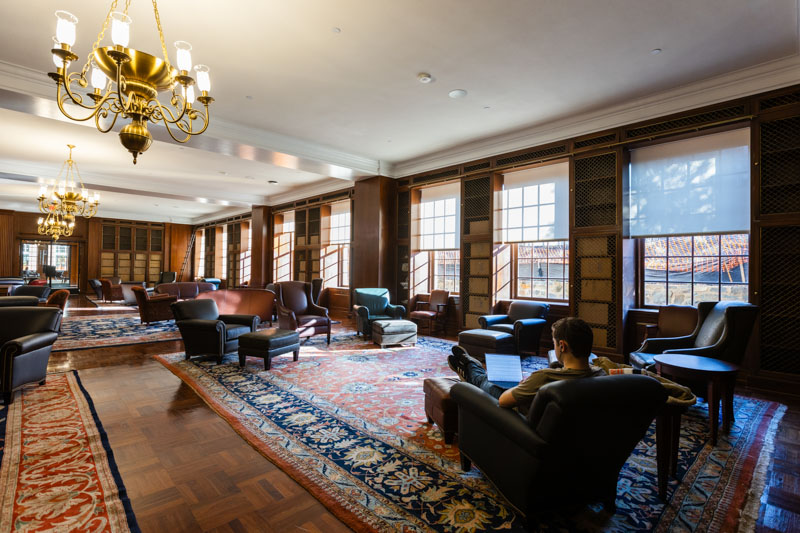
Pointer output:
373, 304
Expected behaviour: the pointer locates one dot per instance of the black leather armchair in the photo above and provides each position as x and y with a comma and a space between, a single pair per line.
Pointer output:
722, 332
27, 335
523, 319
569, 450
207, 333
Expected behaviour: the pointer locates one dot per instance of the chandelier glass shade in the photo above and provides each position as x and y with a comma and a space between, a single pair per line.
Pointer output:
126, 82
62, 202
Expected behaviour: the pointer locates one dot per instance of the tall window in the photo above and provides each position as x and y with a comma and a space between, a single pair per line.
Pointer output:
436, 263
244, 257
689, 201
336, 252
531, 258
283, 247
30, 257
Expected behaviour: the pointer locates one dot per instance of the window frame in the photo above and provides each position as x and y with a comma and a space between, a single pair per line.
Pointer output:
276, 249
514, 275
430, 268
342, 259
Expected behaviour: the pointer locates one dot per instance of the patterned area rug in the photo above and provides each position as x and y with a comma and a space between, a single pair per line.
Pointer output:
58, 472
111, 305
348, 422
85, 332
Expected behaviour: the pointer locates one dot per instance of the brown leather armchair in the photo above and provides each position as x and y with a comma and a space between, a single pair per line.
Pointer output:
298, 312
153, 309
432, 312
57, 299
111, 291
673, 321
722, 332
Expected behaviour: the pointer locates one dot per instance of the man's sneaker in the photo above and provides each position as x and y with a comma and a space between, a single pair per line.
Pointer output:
458, 362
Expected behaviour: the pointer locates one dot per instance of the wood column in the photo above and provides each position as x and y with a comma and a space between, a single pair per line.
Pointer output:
374, 243
261, 257
7, 248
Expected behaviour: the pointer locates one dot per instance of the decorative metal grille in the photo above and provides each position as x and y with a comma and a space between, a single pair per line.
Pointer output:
477, 166
530, 156
778, 101
438, 175
403, 275
780, 299
595, 279
603, 139
403, 214
596, 191
300, 227
684, 122
313, 222
780, 166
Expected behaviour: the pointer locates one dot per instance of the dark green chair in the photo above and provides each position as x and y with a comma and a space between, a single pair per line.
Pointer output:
373, 304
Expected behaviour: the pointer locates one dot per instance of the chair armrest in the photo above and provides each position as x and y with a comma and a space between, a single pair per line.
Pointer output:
199, 324
29, 343
163, 298
650, 329
660, 344
704, 351
486, 321
395, 311
318, 310
244, 320
361, 310
286, 318
425, 306
525, 323
486, 408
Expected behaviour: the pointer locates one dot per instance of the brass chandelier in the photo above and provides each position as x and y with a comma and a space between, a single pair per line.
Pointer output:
126, 82
64, 201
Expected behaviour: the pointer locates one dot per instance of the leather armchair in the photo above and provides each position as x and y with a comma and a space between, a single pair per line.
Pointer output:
57, 299
434, 311
207, 333
97, 287
673, 321
523, 319
153, 309
40, 291
111, 291
298, 312
574, 440
722, 332
27, 335
373, 304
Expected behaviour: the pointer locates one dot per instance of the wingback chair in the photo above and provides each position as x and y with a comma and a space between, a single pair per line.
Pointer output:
433, 312
153, 309
207, 333
577, 435
524, 320
373, 304
111, 291
722, 332
298, 312
673, 321
27, 335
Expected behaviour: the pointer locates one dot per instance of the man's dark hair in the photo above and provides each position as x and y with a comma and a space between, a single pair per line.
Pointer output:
576, 333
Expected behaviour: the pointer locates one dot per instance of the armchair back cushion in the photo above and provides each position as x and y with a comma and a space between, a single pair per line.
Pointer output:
40, 291
19, 301
203, 309
296, 295
18, 322
727, 323
676, 320
438, 298
521, 309
375, 300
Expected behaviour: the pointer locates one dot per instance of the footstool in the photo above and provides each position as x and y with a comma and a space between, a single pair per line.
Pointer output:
439, 408
268, 343
385, 332
479, 342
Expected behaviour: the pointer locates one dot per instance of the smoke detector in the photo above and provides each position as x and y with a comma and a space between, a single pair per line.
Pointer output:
424, 77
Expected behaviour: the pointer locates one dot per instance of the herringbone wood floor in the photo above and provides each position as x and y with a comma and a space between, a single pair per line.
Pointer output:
187, 470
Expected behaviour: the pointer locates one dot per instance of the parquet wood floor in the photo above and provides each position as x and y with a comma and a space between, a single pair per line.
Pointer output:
187, 470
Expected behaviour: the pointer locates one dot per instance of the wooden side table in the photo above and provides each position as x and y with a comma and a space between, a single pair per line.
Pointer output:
719, 375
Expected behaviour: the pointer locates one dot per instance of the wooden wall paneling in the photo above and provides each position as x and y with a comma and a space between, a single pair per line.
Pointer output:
374, 228
7, 244
175, 246
93, 245
263, 231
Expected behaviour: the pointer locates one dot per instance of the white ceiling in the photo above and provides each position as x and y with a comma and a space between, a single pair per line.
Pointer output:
313, 109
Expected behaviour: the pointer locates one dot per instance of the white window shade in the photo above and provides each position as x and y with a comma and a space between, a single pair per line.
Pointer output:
534, 205
694, 186
287, 226
437, 219
336, 229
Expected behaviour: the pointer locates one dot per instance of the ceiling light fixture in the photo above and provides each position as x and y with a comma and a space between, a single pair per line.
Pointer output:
424, 77
272, 182
457, 93
655, 51
126, 82
64, 202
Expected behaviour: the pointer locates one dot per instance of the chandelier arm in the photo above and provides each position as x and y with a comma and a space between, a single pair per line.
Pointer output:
206, 119
104, 113
178, 125
61, 97
160, 112
76, 98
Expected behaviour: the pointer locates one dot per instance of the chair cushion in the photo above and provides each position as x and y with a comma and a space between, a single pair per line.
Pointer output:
312, 320
712, 327
233, 332
389, 327
506, 328
521, 309
485, 337
427, 315
375, 300
269, 339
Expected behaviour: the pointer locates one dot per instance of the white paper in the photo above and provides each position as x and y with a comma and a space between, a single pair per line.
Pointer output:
501, 367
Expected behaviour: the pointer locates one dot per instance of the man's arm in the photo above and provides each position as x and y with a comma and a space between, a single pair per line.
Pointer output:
507, 399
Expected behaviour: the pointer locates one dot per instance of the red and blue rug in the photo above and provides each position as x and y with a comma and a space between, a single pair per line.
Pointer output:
57, 470
347, 421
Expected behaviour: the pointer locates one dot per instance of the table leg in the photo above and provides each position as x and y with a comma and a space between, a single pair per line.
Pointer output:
713, 408
727, 403
675, 433
663, 452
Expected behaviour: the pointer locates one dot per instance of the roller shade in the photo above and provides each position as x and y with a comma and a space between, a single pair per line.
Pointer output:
534, 205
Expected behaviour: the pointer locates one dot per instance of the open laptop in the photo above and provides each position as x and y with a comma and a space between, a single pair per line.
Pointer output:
504, 370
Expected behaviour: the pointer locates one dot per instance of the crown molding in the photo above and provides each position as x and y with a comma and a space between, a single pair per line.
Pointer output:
309, 190
741, 83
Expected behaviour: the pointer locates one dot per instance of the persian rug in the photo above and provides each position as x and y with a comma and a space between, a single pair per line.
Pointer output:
347, 421
58, 471
110, 305
85, 332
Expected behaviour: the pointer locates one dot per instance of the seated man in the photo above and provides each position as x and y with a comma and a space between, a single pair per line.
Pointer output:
572, 339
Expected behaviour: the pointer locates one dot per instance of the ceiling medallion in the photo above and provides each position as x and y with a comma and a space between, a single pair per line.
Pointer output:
127, 82
65, 202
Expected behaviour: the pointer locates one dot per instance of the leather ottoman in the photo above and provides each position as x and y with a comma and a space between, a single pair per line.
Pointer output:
385, 332
479, 342
268, 343
439, 408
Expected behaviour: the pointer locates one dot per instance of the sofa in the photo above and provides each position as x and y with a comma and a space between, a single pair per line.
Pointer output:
19, 301
259, 302
185, 290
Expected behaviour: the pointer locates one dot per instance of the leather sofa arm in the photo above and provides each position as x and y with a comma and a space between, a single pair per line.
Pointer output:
200, 324
286, 318
660, 344
361, 310
486, 321
29, 343
245, 320
486, 408
395, 311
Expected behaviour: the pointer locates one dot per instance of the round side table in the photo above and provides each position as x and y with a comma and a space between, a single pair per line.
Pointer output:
720, 377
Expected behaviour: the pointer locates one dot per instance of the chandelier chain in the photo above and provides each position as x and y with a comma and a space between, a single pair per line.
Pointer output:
100, 36
161, 35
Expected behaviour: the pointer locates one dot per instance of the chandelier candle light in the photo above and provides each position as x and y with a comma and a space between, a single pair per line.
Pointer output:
127, 82
65, 201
